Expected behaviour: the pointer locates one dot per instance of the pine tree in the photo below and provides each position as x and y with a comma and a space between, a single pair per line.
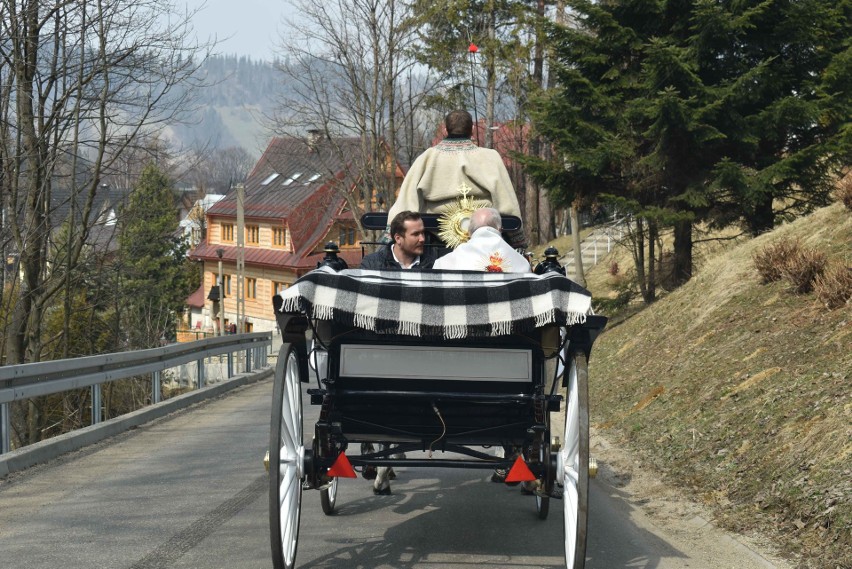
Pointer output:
690, 110
155, 277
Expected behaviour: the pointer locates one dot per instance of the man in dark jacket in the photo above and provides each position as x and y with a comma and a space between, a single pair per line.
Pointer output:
407, 251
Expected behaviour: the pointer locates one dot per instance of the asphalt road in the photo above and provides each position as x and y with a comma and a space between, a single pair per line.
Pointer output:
189, 491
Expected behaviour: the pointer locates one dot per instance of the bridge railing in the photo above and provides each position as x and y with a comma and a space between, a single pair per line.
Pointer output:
23, 381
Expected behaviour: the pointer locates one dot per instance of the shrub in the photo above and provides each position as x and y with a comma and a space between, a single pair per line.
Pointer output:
771, 260
833, 287
844, 191
613, 268
802, 269
787, 259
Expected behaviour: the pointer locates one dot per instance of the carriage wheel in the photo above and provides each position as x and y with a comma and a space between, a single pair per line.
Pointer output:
573, 463
328, 497
286, 460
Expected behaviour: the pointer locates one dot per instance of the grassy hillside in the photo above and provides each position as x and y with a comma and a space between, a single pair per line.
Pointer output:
742, 392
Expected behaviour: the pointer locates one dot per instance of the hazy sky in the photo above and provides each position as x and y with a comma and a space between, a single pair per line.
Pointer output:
244, 27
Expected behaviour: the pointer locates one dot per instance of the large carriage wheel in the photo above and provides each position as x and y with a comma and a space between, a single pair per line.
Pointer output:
573, 462
286, 458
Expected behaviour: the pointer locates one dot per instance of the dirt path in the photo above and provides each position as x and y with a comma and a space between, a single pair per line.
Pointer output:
670, 512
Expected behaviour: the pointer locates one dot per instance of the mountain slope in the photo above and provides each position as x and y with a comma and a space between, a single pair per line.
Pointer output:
741, 392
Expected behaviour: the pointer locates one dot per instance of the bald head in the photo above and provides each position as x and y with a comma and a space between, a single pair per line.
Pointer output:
485, 217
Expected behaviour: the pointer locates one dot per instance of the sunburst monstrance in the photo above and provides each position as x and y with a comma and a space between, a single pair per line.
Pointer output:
455, 219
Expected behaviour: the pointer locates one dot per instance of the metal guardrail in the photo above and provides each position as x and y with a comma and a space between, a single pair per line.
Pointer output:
23, 381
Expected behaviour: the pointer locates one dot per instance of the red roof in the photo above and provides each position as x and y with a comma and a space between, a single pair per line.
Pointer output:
271, 258
297, 182
196, 299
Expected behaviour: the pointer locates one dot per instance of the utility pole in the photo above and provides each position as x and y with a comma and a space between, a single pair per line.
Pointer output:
221, 311
241, 258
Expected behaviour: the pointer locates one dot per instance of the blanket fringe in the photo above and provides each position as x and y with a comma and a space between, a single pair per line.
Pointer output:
501, 328
291, 304
455, 331
323, 312
365, 322
409, 328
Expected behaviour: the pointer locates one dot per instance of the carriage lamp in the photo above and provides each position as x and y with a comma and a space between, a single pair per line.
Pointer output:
331, 259
550, 263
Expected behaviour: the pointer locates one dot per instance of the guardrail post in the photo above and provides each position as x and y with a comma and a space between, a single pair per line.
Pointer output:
200, 374
5, 428
230, 365
248, 360
96, 403
156, 391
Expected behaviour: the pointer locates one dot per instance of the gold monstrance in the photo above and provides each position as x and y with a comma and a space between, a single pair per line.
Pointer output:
455, 219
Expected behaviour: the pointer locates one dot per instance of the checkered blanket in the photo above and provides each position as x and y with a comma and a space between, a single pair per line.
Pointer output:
449, 304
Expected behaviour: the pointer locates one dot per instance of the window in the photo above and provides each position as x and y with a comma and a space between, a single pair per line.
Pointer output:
252, 234
279, 287
269, 178
227, 284
251, 288
347, 236
228, 232
249, 327
279, 237
313, 178
291, 179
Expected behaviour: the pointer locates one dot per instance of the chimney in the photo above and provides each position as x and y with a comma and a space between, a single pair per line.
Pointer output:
314, 136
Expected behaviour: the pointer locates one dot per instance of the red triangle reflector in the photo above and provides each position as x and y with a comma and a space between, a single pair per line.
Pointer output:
520, 472
342, 468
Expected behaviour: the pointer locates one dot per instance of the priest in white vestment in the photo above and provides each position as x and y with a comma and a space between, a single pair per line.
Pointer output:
485, 250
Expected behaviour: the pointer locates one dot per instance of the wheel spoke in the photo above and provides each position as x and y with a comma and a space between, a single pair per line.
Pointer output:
288, 428
290, 488
571, 498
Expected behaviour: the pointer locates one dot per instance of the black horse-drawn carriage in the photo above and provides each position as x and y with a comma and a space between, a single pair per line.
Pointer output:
447, 362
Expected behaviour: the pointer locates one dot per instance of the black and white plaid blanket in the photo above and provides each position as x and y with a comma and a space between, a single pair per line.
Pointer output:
440, 303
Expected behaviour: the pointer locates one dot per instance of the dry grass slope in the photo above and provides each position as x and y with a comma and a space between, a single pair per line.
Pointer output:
743, 392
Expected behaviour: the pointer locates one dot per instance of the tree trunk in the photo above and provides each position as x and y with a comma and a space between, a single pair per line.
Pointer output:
491, 81
651, 295
638, 240
579, 273
546, 218
682, 270
762, 218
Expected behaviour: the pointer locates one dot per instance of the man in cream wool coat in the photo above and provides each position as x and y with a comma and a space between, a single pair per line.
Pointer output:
433, 181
